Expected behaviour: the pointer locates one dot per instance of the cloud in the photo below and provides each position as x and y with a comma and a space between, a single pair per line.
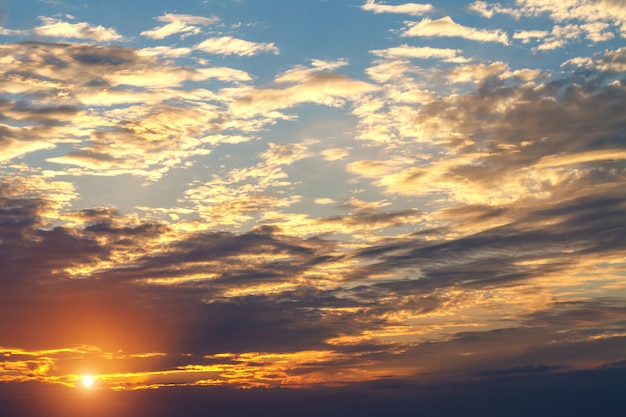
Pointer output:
83, 84
528, 369
56, 28
179, 23
609, 11
486, 155
446, 27
424, 52
303, 86
334, 154
227, 45
611, 62
597, 20
527, 35
413, 9
489, 10
324, 201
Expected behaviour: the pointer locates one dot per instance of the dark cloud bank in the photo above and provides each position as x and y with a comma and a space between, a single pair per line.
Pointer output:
575, 394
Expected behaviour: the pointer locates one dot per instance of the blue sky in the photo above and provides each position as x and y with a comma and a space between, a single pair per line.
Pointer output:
312, 193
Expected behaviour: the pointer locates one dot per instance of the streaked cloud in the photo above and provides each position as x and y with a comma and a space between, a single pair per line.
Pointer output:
406, 51
413, 9
227, 45
446, 27
179, 24
299, 86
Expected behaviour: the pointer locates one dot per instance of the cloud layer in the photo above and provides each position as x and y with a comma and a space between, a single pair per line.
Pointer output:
199, 210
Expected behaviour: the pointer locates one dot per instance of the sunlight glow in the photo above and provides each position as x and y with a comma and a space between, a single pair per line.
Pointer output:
88, 381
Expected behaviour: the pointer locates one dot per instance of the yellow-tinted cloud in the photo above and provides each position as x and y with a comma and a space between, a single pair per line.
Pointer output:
446, 27
321, 88
56, 28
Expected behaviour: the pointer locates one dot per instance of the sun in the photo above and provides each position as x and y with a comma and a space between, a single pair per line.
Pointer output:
88, 381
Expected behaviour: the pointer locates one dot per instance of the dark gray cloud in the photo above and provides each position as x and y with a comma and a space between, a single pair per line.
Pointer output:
575, 394
520, 370
492, 256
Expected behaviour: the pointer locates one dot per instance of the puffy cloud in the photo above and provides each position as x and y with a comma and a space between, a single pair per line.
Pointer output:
586, 11
446, 27
596, 19
611, 62
493, 162
56, 28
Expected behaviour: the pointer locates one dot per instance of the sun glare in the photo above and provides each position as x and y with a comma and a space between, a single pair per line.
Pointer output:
88, 381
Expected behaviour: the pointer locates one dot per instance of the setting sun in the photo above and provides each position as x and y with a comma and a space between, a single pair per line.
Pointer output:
88, 381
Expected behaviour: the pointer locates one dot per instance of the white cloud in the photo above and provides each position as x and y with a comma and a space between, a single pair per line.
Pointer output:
227, 45
178, 23
526, 35
80, 30
406, 51
560, 36
486, 10
165, 51
413, 9
55, 28
446, 27
597, 18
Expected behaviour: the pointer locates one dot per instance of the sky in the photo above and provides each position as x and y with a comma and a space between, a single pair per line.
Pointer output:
347, 204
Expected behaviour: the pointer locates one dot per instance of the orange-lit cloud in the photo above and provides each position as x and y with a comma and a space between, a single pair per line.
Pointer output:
404, 215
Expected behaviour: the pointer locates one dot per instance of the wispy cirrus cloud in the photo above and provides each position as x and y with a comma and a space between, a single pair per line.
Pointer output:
424, 52
413, 9
183, 24
227, 45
